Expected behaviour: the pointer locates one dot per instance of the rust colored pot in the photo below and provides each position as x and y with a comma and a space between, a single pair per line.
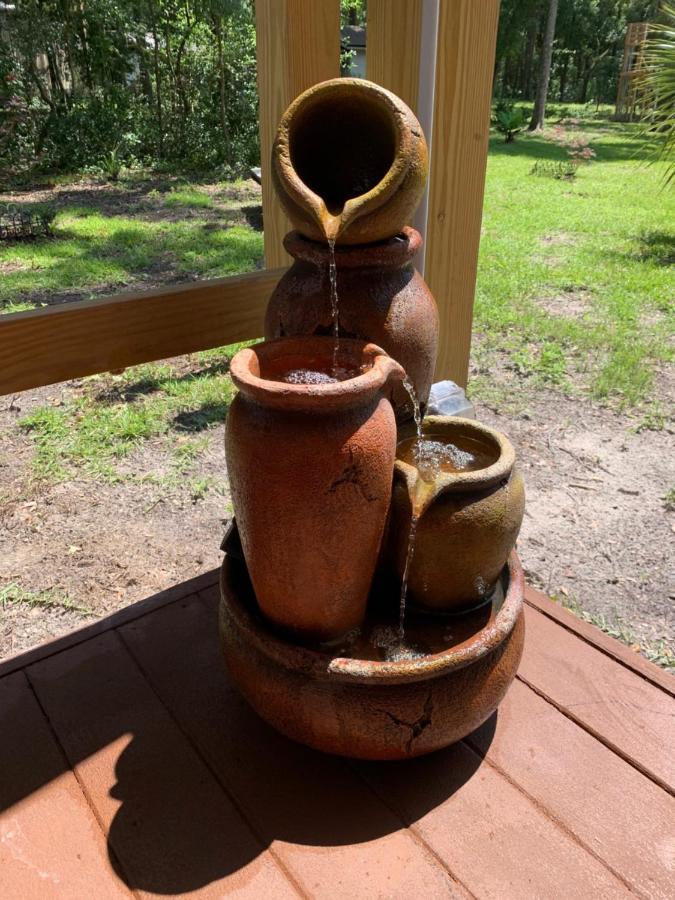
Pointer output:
382, 298
310, 466
367, 708
468, 521
349, 162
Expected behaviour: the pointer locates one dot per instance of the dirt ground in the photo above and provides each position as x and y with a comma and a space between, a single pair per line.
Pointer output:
597, 533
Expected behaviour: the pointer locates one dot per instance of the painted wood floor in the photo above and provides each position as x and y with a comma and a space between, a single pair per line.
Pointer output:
129, 766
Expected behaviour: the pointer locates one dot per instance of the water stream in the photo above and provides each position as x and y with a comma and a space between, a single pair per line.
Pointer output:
334, 301
410, 388
404, 583
408, 385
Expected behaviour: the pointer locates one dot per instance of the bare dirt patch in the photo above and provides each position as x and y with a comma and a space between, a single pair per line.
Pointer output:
102, 545
140, 198
597, 532
557, 239
572, 304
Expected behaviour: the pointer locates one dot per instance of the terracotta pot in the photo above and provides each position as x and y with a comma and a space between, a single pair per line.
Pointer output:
468, 521
349, 162
363, 707
382, 298
310, 467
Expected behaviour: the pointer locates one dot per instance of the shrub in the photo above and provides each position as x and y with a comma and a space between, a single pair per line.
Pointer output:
509, 120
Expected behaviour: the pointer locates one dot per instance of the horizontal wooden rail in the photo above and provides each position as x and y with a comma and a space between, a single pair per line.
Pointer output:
49, 345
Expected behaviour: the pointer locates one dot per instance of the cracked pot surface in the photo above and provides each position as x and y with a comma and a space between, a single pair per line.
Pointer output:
311, 467
364, 707
383, 299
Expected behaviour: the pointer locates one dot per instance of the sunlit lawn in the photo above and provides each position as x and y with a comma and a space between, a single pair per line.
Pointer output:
576, 277
91, 251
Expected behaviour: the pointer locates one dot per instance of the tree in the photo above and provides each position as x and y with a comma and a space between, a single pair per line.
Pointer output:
537, 121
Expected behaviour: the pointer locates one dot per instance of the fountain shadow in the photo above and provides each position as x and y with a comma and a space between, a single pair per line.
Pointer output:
172, 836
180, 827
414, 788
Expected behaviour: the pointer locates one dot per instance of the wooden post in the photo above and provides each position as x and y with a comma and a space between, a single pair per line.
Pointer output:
467, 33
393, 47
298, 44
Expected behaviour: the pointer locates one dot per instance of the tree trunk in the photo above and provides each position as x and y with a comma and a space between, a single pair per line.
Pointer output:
563, 77
528, 62
537, 121
158, 94
218, 27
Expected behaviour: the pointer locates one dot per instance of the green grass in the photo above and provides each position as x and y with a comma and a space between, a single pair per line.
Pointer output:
12, 593
92, 251
188, 196
116, 414
606, 238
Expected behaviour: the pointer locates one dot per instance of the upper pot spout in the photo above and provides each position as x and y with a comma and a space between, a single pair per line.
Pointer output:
349, 162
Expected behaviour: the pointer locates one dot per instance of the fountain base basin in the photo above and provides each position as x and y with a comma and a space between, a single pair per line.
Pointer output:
366, 697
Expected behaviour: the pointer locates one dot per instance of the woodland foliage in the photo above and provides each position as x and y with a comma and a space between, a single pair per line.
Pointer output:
155, 81
587, 49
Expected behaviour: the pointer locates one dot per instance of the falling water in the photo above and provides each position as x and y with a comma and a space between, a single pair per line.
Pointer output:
408, 385
404, 582
334, 303
410, 388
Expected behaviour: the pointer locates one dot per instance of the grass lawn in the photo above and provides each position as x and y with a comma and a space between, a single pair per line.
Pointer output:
575, 278
125, 235
575, 286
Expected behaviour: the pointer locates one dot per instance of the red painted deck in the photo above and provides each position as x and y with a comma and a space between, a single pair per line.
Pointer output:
129, 766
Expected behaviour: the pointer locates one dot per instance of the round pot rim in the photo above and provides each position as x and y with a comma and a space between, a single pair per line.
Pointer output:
300, 192
477, 479
393, 252
321, 665
316, 398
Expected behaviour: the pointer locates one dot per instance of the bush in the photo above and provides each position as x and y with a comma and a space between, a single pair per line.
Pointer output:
509, 121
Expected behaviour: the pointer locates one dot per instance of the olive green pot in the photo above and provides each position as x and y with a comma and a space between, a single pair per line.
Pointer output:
468, 524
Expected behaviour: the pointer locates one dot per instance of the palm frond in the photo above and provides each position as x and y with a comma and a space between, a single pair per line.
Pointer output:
657, 89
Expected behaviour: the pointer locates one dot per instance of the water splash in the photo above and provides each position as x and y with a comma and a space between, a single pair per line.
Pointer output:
334, 301
434, 457
308, 376
410, 388
319, 376
389, 641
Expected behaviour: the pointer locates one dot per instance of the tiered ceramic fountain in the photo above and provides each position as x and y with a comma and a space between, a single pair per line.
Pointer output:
371, 598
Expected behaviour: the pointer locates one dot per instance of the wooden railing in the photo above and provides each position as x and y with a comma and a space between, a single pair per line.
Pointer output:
438, 56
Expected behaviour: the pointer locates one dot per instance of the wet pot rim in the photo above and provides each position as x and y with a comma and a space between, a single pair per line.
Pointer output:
393, 252
479, 479
321, 665
315, 398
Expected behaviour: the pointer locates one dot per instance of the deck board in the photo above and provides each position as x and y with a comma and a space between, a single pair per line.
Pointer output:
302, 804
168, 822
50, 842
130, 766
627, 713
489, 834
612, 809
